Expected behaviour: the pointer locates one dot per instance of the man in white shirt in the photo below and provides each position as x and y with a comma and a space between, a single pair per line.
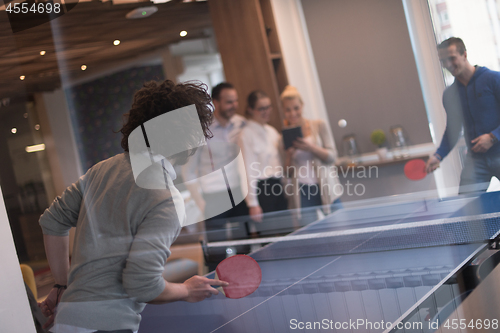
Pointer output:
209, 192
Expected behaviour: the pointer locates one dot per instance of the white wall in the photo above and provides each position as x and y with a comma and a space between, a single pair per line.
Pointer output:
366, 68
60, 144
298, 57
62, 136
15, 313
302, 73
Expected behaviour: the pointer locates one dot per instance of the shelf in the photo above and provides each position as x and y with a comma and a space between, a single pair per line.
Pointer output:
372, 159
274, 56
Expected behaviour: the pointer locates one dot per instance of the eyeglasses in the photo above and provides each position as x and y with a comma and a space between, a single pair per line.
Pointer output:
264, 108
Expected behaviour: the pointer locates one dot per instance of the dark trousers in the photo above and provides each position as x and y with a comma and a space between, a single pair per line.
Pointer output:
310, 197
477, 172
215, 226
271, 195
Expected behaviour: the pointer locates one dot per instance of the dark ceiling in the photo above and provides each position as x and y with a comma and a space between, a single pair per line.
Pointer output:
85, 35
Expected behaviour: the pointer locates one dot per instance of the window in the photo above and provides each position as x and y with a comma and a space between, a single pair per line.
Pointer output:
476, 22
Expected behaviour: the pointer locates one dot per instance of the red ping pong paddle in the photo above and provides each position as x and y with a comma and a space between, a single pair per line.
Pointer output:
243, 274
415, 169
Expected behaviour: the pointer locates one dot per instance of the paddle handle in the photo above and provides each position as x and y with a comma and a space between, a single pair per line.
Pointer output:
219, 288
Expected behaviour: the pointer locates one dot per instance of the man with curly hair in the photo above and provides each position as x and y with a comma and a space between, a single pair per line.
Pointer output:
123, 231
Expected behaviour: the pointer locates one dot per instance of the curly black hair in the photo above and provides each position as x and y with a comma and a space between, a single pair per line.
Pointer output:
157, 98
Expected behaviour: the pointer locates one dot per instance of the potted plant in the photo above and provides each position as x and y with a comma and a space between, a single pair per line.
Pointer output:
378, 138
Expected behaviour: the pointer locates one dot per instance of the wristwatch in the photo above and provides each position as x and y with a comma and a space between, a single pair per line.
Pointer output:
493, 138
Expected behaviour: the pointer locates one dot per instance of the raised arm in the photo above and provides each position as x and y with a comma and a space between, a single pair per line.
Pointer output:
452, 130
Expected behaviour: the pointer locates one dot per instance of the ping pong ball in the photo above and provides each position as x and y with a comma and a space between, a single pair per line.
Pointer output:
342, 123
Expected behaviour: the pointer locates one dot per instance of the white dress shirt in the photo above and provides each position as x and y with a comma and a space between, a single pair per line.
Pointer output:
302, 161
221, 149
260, 147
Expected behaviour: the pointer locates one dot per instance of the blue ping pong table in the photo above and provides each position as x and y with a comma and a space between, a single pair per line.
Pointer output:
391, 265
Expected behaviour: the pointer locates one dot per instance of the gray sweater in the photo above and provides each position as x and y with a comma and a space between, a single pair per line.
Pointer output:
122, 241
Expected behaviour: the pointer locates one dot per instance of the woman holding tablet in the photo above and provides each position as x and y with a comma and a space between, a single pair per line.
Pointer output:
259, 143
309, 162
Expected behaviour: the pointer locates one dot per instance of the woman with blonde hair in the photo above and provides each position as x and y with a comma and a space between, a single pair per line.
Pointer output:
310, 161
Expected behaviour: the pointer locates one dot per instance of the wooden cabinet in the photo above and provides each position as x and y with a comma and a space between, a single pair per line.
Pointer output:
250, 50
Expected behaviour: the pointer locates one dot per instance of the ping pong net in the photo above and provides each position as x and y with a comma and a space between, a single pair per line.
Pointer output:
319, 240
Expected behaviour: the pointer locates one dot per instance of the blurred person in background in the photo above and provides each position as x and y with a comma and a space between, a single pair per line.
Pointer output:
310, 161
472, 103
260, 145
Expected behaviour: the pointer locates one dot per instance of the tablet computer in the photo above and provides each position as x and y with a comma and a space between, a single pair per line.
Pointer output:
290, 135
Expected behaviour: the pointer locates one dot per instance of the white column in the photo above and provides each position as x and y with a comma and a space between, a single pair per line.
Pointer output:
59, 138
15, 312
64, 159
431, 80
298, 57
495, 22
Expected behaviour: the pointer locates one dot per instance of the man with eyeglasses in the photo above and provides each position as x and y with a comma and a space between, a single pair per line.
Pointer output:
472, 102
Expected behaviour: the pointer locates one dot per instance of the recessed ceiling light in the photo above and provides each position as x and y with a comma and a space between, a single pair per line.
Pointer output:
34, 148
14, 130
183, 33
42, 53
25, 115
37, 127
84, 67
22, 77
116, 42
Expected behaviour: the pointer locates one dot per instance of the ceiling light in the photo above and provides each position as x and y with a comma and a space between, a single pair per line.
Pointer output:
22, 77
116, 42
37, 127
42, 53
25, 115
34, 148
14, 130
183, 33
161, 1
84, 67
141, 12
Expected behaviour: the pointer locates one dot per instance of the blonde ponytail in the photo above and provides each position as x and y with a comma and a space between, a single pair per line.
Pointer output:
291, 92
